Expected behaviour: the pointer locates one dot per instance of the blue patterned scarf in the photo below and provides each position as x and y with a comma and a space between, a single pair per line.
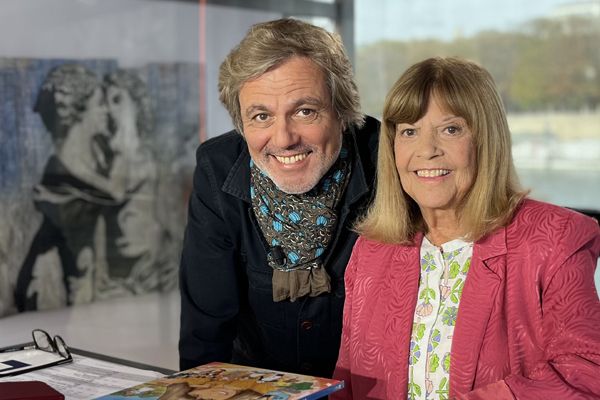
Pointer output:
298, 228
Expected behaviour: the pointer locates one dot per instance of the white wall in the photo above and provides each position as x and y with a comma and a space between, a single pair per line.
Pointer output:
135, 32
225, 27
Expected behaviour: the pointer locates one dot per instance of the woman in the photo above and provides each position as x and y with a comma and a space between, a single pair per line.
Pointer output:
459, 286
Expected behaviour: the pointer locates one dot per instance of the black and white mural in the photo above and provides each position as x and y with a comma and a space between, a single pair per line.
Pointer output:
95, 169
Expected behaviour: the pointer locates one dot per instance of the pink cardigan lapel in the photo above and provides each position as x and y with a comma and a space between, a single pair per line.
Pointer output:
484, 278
403, 279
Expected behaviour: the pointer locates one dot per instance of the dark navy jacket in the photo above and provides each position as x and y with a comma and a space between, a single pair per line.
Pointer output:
227, 308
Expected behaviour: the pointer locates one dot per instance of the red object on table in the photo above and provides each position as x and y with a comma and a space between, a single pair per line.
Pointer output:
28, 390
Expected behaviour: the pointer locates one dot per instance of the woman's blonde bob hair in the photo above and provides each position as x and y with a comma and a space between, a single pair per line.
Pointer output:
269, 44
467, 90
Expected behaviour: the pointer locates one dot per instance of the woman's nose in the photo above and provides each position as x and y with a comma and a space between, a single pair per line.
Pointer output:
428, 145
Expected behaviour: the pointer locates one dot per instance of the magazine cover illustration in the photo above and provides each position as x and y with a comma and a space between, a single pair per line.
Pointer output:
222, 381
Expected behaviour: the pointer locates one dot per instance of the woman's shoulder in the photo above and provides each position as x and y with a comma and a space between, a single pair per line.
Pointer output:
375, 250
535, 211
537, 219
365, 243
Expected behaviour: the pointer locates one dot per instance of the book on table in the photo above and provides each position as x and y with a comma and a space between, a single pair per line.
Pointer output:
232, 382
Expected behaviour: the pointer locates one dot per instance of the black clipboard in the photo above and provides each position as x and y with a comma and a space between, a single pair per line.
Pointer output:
19, 359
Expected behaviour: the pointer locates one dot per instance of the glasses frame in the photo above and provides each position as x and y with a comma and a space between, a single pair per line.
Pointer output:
55, 349
54, 343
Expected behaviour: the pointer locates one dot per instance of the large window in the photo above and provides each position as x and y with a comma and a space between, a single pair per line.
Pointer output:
544, 56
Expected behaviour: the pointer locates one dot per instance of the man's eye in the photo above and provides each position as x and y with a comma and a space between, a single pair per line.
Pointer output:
306, 112
262, 117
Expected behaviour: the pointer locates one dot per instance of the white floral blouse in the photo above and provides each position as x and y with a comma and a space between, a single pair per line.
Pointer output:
443, 274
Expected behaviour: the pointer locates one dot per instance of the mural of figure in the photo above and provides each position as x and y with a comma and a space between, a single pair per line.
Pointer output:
96, 193
75, 186
132, 258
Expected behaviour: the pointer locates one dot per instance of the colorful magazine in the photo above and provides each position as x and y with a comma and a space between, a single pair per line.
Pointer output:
221, 381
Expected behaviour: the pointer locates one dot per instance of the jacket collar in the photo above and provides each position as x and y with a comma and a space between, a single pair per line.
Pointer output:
237, 182
487, 271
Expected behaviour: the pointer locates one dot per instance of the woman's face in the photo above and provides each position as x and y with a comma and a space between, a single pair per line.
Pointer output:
435, 159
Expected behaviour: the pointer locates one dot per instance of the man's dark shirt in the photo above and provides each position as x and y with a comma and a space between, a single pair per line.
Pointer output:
227, 309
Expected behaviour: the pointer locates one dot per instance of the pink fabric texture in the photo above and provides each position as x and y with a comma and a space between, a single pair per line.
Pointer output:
528, 325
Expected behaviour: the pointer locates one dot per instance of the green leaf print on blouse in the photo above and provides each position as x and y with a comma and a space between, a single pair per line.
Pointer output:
456, 291
415, 353
418, 332
446, 362
449, 316
441, 283
428, 263
454, 269
443, 389
434, 363
414, 391
466, 267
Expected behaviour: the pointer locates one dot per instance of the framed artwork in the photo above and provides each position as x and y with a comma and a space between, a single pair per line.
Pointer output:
100, 119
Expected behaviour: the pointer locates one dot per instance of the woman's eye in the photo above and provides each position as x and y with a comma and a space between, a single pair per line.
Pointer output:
408, 132
453, 130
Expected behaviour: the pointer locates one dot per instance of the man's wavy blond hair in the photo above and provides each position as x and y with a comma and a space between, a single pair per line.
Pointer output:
268, 45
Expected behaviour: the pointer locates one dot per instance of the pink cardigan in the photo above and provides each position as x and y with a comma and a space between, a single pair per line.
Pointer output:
528, 325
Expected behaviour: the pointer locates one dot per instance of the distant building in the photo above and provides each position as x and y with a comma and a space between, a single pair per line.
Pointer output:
585, 8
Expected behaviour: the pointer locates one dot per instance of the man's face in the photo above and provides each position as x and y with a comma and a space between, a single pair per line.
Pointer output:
292, 131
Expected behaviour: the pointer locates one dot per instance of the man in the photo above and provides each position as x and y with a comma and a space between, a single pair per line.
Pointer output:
270, 217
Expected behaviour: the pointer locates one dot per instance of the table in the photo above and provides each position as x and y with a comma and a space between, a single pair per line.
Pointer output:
91, 375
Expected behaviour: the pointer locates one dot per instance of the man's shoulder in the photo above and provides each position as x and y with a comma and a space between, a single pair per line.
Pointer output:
228, 141
223, 149
368, 133
366, 141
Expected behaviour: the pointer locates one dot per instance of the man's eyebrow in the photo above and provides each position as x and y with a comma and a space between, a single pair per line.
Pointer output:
303, 101
313, 101
252, 108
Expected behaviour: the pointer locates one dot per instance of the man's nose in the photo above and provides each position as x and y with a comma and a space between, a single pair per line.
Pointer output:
284, 135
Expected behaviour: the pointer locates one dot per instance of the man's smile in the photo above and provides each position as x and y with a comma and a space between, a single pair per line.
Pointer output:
291, 159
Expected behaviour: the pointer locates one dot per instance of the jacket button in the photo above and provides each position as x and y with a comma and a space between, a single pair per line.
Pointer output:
306, 325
